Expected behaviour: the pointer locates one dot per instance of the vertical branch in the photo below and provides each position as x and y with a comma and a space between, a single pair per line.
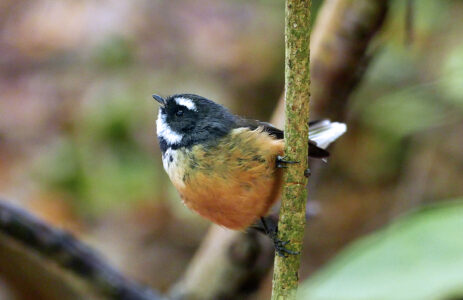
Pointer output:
297, 93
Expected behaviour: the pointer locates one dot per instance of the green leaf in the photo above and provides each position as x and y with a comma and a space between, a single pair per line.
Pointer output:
420, 256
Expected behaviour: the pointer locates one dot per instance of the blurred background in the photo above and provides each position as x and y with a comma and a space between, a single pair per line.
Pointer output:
77, 122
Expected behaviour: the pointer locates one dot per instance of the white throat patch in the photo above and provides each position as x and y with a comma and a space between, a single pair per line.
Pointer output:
164, 131
188, 103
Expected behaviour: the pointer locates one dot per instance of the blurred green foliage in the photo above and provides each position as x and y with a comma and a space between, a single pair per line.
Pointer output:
452, 77
114, 52
394, 102
102, 162
405, 113
417, 257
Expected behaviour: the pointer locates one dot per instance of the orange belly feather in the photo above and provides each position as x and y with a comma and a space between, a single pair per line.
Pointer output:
233, 183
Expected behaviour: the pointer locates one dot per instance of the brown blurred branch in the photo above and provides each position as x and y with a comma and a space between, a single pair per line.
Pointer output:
344, 29
409, 20
34, 253
342, 33
228, 265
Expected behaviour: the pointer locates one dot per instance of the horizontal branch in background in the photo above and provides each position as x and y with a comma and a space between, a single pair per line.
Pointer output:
24, 239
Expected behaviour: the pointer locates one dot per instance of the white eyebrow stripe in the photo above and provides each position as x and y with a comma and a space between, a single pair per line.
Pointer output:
163, 130
188, 103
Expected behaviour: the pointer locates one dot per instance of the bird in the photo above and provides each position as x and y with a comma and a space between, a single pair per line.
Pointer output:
225, 167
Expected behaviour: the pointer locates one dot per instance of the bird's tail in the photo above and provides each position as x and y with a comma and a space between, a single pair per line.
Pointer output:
324, 132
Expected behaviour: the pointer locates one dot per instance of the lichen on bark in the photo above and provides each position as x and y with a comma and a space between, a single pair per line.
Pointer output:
297, 93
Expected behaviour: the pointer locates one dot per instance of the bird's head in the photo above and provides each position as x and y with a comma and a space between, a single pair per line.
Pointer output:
185, 120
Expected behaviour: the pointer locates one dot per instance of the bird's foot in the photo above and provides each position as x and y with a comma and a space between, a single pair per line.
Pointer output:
280, 248
271, 230
281, 162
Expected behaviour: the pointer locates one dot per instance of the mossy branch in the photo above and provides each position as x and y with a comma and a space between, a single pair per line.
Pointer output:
294, 196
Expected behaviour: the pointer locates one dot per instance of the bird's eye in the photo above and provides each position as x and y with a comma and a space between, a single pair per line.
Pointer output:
179, 113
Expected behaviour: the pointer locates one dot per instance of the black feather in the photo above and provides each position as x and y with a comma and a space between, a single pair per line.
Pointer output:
211, 121
314, 150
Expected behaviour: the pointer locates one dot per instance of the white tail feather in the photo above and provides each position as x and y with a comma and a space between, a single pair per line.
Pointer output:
325, 132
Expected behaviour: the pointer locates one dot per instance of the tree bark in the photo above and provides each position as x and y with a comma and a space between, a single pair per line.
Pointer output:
294, 196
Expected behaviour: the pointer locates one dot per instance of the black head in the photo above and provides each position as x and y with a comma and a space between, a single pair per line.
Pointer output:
185, 120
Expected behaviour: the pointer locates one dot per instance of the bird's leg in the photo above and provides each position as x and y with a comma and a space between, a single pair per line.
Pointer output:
281, 162
271, 230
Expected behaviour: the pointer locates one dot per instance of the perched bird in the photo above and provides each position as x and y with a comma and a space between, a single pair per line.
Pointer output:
225, 167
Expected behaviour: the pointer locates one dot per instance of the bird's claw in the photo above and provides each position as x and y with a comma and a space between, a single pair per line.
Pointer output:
271, 230
280, 248
281, 162
307, 173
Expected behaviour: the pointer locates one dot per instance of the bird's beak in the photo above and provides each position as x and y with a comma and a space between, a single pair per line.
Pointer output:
159, 99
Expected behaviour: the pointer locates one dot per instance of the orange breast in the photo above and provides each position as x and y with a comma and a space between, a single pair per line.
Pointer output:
231, 184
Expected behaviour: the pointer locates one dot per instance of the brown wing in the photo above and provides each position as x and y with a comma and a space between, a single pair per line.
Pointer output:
314, 150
